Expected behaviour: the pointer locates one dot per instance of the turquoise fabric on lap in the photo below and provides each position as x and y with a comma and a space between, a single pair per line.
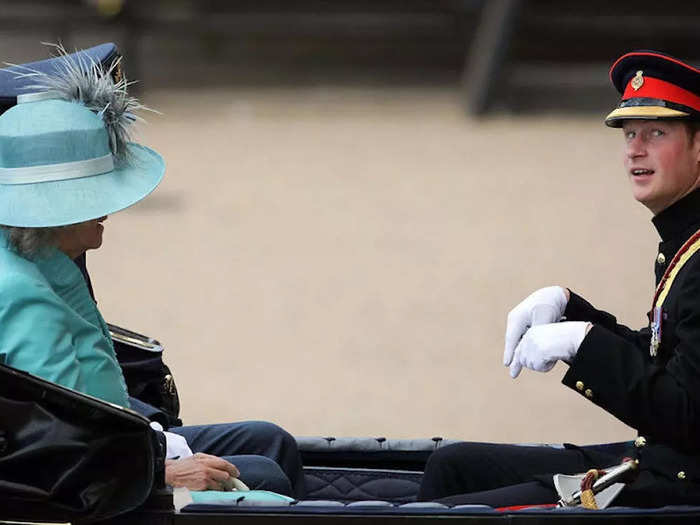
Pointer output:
250, 497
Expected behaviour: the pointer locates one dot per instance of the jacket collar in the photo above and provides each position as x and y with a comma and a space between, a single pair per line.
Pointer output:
679, 218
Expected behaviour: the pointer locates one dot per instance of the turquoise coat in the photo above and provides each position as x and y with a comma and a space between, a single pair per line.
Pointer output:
50, 326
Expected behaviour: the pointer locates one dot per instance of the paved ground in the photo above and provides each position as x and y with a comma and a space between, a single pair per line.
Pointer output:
341, 261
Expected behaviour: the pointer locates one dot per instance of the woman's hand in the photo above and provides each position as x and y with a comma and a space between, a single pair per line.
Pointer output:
200, 472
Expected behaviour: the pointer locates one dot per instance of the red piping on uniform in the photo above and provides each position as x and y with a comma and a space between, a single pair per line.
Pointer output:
655, 88
674, 60
531, 506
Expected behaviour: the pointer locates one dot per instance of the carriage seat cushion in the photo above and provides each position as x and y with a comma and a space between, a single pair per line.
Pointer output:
358, 469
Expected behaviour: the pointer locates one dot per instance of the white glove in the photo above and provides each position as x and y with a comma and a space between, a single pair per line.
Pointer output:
542, 346
543, 306
177, 446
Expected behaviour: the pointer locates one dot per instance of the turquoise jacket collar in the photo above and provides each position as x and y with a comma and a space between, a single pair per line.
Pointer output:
51, 327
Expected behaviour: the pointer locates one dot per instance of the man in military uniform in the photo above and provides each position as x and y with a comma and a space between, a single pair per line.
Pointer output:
649, 379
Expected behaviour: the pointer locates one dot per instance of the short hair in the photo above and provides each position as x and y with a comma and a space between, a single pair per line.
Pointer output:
30, 242
693, 127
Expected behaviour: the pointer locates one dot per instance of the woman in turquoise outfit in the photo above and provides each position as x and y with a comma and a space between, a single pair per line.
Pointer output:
66, 163
63, 168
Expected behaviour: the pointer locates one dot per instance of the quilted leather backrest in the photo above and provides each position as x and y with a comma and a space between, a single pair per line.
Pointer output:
360, 469
356, 484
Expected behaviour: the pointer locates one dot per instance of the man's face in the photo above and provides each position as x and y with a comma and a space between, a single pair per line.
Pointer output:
662, 161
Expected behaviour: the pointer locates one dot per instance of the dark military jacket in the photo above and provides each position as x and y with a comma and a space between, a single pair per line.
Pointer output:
659, 396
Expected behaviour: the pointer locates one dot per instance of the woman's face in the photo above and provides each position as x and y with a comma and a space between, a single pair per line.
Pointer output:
76, 239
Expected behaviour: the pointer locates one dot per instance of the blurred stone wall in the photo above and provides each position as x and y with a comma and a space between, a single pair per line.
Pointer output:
335, 245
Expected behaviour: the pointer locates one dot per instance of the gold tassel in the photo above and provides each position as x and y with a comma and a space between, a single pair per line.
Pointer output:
588, 500
587, 496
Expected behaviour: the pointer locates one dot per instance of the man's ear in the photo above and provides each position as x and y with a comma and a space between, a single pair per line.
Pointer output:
696, 144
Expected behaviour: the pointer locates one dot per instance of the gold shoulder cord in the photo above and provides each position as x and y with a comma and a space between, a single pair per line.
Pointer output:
683, 255
691, 246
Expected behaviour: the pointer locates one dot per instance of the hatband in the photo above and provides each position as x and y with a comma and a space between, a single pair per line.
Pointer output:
61, 171
657, 88
36, 97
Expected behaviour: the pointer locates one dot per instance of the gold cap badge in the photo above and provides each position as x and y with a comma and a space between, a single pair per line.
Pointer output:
637, 81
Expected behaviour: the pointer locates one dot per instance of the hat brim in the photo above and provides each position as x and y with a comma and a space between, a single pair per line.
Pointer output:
58, 203
615, 118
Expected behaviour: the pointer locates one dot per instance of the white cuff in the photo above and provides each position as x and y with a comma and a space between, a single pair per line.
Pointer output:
177, 446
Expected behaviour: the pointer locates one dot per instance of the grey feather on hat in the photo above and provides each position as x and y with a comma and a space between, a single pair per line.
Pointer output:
82, 79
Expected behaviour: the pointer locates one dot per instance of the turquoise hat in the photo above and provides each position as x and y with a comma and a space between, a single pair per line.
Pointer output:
65, 157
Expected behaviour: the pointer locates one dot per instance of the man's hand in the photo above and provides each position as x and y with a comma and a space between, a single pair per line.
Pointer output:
542, 346
543, 306
200, 472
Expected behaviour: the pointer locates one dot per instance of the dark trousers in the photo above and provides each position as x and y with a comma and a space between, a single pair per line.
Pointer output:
503, 475
265, 454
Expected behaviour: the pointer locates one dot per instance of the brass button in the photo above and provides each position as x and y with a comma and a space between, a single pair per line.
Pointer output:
681, 475
589, 393
661, 258
579, 386
640, 442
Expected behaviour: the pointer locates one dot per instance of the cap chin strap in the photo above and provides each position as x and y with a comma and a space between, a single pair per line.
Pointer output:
57, 172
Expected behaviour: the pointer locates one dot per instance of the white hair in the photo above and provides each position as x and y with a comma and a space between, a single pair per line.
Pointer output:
30, 242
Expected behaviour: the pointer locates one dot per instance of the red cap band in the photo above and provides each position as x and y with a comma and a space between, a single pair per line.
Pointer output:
655, 88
